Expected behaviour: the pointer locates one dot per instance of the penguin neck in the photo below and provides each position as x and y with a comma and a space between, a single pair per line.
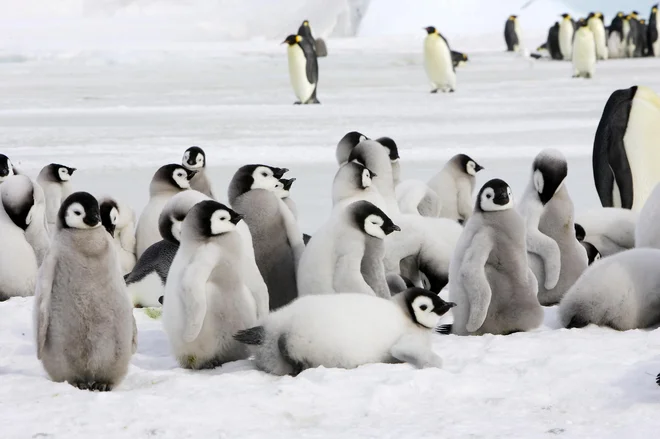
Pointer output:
88, 242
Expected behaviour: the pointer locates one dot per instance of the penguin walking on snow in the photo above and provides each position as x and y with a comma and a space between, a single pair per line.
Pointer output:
512, 34
437, 61
305, 31
566, 32
584, 51
303, 68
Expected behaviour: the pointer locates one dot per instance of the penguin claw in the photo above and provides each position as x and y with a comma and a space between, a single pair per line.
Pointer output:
444, 329
657, 380
297, 103
434, 91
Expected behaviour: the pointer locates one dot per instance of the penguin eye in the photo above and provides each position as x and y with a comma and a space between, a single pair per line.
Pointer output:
263, 174
77, 212
423, 307
489, 196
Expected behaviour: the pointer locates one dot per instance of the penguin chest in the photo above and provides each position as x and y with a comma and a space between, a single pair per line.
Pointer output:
584, 51
298, 73
437, 61
566, 39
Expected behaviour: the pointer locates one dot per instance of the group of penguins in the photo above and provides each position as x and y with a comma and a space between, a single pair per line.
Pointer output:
241, 280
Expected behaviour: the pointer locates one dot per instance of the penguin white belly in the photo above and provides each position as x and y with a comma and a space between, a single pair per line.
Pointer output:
18, 263
584, 53
516, 27
642, 143
596, 26
147, 228
615, 46
298, 73
624, 41
438, 64
566, 31
146, 291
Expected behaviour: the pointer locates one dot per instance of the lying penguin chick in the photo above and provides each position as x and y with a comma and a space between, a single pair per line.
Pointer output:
365, 329
83, 320
375, 157
6, 168
555, 255
346, 145
490, 279
454, 186
610, 229
354, 182
55, 181
168, 181
194, 159
119, 220
417, 198
207, 299
393, 152
346, 254
621, 291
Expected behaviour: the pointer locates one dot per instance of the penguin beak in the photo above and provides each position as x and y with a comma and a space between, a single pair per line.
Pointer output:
279, 172
236, 218
391, 228
111, 230
72, 170
190, 173
288, 183
442, 310
478, 167
93, 219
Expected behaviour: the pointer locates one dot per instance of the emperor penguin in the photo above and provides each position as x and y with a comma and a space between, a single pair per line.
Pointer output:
653, 32
555, 255
621, 292
643, 37
168, 181
276, 237
626, 154
634, 47
206, 297
119, 220
305, 31
346, 145
566, 31
346, 254
553, 42
584, 51
454, 186
596, 23
490, 280
512, 34
437, 62
303, 68
346, 331
83, 319
54, 179
616, 39
393, 152
6, 168
610, 229
194, 159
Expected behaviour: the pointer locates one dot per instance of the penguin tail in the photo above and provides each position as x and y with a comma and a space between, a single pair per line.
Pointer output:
657, 380
126, 276
444, 329
252, 336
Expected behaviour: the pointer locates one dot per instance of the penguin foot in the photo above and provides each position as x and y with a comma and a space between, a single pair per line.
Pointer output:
297, 103
657, 380
444, 329
94, 386
434, 90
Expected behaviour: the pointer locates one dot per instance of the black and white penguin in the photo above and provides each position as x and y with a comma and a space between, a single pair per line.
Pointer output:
584, 51
653, 33
553, 42
512, 34
54, 179
438, 62
643, 37
616, 37
346, 145
194, 159
626, 154
7, 168
566, 32
634, 42
596, 23
319, 45
303, 68
458, 58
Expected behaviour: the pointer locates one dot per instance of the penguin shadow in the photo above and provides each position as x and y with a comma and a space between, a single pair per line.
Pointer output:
638, 385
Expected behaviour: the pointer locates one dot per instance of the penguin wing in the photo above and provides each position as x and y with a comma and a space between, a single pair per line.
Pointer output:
548, 250
312, 66
472, 275
193, 290
253, 278
293, 232
464, 199
321, 48
348, 278
42, 299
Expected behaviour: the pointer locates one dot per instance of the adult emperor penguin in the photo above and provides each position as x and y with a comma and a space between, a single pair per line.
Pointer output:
566, 31
346, 254
616, 46
206, 297
303, 68
346, 145
596, 23
194, 159
626, 154
83, 319
622, 292
347, 331
553, 42
119, 220
643, 37
6, 168
276, 237
653, 33
168, 181
437, 61
511, 34
610, 229
454, 185
305, 31
489, 276
555, 255
584, 51
634, 47
55, 181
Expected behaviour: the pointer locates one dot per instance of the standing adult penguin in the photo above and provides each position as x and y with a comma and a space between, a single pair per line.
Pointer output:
6, 168
303, 68
346, 254
653, 33
276, 237
643, 38
206, 297
454, 185
437, 62
490, 279
634, 47
319, 45
83, 319
566, 32
168, 181
616, 43
55, 181
553, 42
626, 154
584, 51
119, 220
512, 33
194, 159
596, 23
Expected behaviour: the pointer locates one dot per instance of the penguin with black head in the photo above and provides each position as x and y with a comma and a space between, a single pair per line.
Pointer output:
303, 68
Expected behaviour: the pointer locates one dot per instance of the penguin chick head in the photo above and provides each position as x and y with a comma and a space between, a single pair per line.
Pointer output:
210, 218
430, 30
109, 215
425, 308
256, 176
495, 196
194, 158
283, 187
80, 210
346, 145
292, 40
371, 220
6, 167
172, 176
467, 164
592, 252
391, 147
59, 173
566, 16
580, 233
549, 171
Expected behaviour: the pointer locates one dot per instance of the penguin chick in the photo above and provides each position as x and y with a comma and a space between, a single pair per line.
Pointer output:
592, 252
417, 198
282, 191
194, 159
346, 254
55, 181
119, 221
490, 279
347, 331
393, 152
168, 181
610, 229
346, 145
621, 291
207, 300
438, 62
354, 182
83, 320
6, 168
454, 186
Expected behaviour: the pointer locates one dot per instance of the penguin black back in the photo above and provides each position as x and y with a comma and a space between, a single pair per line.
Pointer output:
553, 42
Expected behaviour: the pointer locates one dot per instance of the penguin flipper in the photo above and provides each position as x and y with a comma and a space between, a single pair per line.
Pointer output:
411, 349
42, 299
321, 48
252, 336
193, 290
472, 275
